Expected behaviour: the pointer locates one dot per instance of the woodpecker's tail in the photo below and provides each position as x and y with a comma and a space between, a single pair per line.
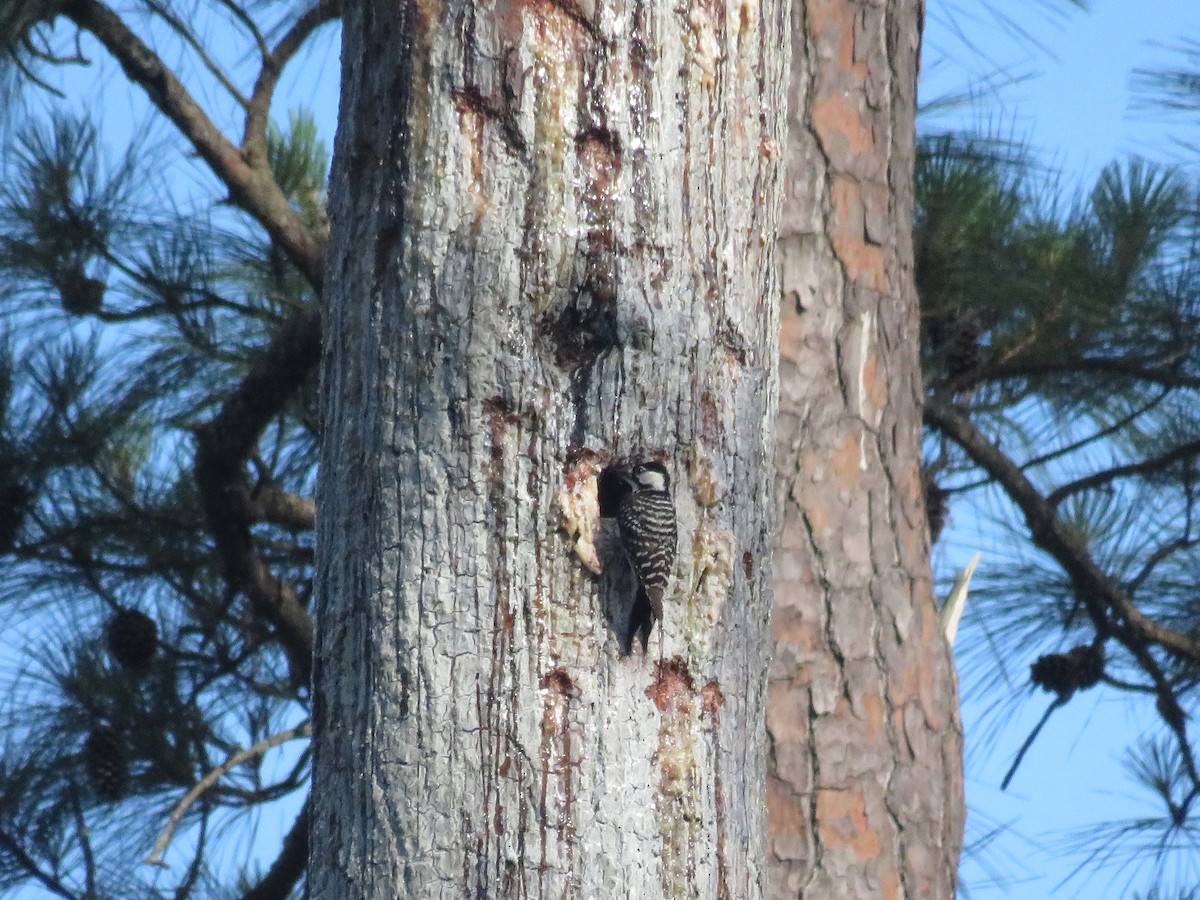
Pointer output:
646, 610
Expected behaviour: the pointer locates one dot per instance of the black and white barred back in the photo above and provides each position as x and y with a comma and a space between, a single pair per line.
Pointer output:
648, 533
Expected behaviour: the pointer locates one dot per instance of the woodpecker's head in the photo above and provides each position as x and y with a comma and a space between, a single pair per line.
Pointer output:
649, 476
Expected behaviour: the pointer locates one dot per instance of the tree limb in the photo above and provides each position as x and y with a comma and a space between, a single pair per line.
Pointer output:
251, 187
223, 445
281, 878
258, 109
1099, 593
285, 509
304, 729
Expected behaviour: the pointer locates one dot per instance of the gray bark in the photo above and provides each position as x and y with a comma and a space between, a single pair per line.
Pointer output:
865, 794
552, 248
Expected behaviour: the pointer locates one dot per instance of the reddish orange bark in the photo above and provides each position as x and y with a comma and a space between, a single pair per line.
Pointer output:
865, 793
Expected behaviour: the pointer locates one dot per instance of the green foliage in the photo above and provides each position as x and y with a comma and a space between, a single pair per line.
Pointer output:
1069, 337
98, 405
1176, 87
300, 163
1048, 299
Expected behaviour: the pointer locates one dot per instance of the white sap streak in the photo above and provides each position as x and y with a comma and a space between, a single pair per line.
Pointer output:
865, 334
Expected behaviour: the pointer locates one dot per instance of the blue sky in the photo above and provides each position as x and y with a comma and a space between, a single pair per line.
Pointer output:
1073, 104
1072, 97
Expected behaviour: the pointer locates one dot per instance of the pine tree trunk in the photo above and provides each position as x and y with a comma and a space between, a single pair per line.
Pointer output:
865, 793
553, 249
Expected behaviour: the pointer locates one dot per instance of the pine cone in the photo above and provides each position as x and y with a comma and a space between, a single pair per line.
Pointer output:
1078, 669
132, 639
1089, 664
937, 506
80, 294
964, 353
106, 762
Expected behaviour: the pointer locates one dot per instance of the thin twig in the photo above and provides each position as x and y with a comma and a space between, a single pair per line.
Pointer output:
1162, 374
197, 865
32, 77
1159, 555
258, 109
85, 843
27, 862
1185, 451
304, 729
180, 27
46, 54
1012, 770
241, 16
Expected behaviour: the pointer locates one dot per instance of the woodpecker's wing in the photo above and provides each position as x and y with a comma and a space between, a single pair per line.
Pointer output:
648, 532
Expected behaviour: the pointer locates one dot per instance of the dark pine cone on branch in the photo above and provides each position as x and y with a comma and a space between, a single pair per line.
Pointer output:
80, 294
106, 762
937, 505
1063, 674
132, 639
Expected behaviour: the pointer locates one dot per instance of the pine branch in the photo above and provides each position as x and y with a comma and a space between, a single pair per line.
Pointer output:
289, 866
258, 109
1158, 556
251, 187
1111, 609
1169, 710
1184, 451
304, 729
1100, 594
1169, 376
1074, 446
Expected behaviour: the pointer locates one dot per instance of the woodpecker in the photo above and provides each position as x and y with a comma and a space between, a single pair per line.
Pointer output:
646, 518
